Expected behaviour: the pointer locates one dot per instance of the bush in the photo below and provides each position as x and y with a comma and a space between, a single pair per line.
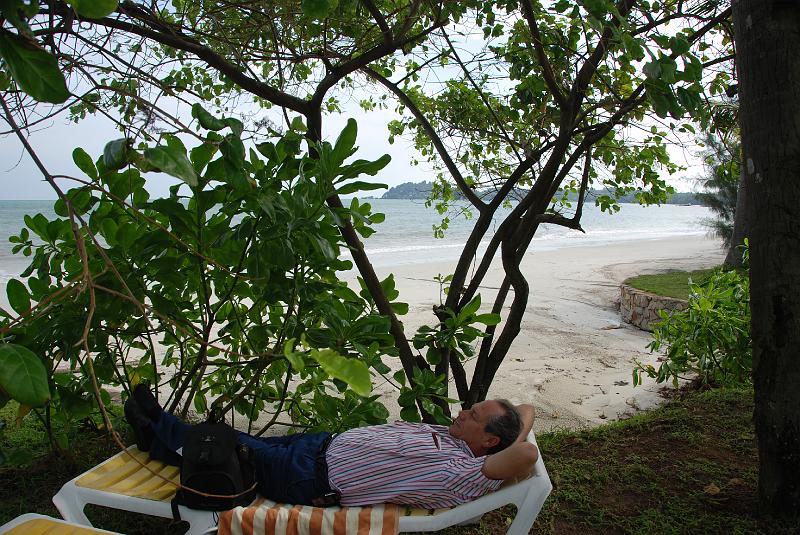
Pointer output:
225, 294
709, 339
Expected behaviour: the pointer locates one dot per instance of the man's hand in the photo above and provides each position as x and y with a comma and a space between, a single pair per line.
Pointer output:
527, 413
518, 459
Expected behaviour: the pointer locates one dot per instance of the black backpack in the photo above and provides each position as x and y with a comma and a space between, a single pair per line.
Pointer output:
213, 463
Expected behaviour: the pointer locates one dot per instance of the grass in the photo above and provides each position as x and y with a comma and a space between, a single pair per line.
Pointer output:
687, 467
672, 284
39, 473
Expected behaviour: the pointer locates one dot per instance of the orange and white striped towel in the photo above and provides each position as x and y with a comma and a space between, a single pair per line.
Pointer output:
265, 517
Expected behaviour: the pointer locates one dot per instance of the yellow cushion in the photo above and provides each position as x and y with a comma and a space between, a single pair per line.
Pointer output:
46, 526
122, 474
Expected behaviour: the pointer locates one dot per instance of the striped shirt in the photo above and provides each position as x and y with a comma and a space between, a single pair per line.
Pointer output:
405, 463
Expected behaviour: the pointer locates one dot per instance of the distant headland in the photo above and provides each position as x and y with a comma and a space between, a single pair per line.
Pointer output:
421, 190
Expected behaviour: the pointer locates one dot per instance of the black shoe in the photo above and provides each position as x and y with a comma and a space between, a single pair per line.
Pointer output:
147, 401
141, 424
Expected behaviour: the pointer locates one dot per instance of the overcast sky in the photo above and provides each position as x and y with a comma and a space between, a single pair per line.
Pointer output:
55, 142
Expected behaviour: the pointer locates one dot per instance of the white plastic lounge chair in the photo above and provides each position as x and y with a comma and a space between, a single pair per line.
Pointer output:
33, 524
121, 483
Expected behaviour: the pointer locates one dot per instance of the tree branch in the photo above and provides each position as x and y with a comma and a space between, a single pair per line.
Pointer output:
175, 39
380, 20
471, 196
482, 95
541, 57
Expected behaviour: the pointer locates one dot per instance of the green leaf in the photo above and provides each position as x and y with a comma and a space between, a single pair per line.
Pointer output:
353, 187
23, 376
346, 141
410, 414
200, 403
596, 8
562, 5
17, 13
400, 377
172, 161
401, 309
353, 372
388, 286
298, 125
115, 154
201, 155
210, 122
365, 167
433, 356
690, 101
652, 70
294, 358
668, 68
318, 9
93, 9
84, 162
18, 296
5, 81
471, 307
324, 246
487, 319
678, 45
235, 125
34, 69
206, 120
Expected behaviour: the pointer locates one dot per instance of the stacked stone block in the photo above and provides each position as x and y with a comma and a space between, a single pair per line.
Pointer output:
640, 308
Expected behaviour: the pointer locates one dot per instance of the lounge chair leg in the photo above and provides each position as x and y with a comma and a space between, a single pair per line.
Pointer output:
471, 522
71, 508
527, 511
202, 528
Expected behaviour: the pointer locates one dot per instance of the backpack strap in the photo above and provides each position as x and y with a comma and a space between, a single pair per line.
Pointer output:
176, 514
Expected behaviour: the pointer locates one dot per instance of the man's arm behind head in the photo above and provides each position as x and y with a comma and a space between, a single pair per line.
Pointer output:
516, 460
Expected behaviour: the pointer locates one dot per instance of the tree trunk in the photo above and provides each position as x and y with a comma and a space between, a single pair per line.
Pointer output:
741, 229
767, 35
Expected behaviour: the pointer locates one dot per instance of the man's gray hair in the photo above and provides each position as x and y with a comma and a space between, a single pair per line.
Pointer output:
506, 427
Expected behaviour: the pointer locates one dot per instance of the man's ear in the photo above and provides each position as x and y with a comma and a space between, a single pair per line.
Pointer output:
491, 441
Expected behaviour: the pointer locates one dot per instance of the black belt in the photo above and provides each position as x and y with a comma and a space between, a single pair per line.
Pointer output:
328, 496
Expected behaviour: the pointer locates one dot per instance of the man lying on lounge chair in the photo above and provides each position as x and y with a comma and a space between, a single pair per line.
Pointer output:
429, 466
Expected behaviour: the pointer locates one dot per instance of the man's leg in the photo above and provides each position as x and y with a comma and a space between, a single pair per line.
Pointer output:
286, 467
170, 435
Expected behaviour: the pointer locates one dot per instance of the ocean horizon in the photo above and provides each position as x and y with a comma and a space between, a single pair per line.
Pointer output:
406, 236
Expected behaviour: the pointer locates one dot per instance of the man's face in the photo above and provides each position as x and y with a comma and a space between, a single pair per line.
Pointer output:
470, 426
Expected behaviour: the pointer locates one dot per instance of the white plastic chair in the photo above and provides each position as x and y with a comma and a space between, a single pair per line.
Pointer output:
33, 524
528, 495
121, 483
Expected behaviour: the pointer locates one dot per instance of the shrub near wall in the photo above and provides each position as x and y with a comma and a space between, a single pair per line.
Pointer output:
710, 339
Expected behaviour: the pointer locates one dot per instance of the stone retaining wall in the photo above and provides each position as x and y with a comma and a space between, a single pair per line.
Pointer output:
640, 308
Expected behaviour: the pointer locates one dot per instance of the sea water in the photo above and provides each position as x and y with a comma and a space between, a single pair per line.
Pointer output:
12, 221
407, 236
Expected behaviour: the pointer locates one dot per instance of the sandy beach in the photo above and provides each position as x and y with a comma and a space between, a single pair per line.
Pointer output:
574, 357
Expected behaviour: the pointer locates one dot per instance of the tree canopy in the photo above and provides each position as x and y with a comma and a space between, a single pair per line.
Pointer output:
500, 97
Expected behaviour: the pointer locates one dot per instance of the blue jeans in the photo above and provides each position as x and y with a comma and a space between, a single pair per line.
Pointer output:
286, 467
